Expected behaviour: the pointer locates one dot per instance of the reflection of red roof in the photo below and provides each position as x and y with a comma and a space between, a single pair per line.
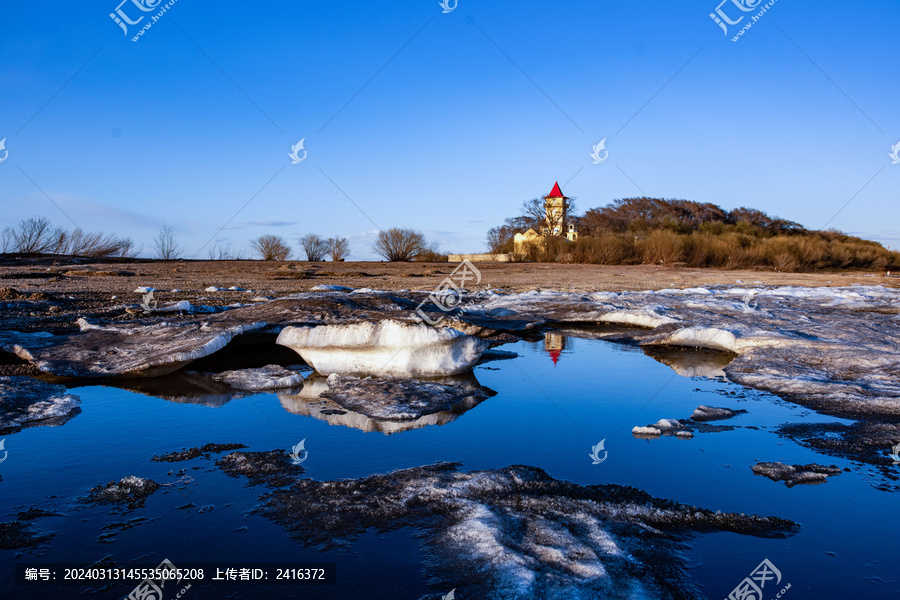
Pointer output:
554, 356
555, 192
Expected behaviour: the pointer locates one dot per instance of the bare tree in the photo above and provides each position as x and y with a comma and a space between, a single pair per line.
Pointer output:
222, 251
165, 244
6, 240
397, 244
271, 247
37, 235
129, 250
315, 247
535, 210
338, 248
95, 245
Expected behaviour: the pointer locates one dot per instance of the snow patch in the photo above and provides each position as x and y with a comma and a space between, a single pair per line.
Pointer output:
384, 348
641, 318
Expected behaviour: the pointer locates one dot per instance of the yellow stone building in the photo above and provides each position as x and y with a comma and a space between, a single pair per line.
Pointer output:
556, 223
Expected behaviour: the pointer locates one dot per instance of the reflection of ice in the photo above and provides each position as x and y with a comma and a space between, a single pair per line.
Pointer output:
388, 405
692, 362
270, 377
27, 402
384, 348
182, 387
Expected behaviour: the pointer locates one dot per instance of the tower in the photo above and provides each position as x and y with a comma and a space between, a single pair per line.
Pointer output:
556, 207
556, 223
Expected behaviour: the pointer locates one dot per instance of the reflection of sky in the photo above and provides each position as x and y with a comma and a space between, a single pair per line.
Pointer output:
441, 122
543, 415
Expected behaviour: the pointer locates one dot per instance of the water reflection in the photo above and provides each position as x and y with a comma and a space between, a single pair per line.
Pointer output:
386, 405
687, 362
184, 387
692, 362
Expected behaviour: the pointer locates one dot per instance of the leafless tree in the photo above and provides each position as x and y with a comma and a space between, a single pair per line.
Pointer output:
222, 251
338, 248
95, 245
165, 244
37, 235
271, 247
535, 210
6, 240
315, 247
129, 250
397, 244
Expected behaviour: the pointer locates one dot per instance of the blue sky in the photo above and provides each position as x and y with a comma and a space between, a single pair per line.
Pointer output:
441, 122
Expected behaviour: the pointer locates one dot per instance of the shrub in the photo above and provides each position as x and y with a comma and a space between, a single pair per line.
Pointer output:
432, 254
314, 246
605, 249
271, 247
338, 248
397, 244
662, 246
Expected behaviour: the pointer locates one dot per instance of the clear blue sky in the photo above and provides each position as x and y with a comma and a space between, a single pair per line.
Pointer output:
442, 122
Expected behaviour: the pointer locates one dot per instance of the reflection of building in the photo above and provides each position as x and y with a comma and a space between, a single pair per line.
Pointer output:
554, 344
556, 222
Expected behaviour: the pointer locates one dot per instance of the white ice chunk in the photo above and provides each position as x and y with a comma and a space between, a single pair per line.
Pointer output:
330, 288
384, 348
640, 318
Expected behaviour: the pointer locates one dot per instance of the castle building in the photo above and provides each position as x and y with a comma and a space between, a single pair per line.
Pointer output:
556, 222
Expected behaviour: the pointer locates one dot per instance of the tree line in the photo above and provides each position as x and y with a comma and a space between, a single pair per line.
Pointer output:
38, 235
667, 231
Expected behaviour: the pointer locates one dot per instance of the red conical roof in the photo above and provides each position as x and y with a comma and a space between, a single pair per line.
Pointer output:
554, 356
555, 192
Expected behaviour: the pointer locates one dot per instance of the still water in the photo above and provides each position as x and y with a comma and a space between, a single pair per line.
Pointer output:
554, 402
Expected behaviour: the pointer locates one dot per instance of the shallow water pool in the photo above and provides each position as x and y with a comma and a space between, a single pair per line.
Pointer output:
553, 403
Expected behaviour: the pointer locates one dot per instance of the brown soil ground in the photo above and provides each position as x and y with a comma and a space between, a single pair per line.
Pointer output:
66, 276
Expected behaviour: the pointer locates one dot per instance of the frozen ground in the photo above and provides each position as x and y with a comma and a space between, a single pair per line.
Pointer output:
516, 532
834, 349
